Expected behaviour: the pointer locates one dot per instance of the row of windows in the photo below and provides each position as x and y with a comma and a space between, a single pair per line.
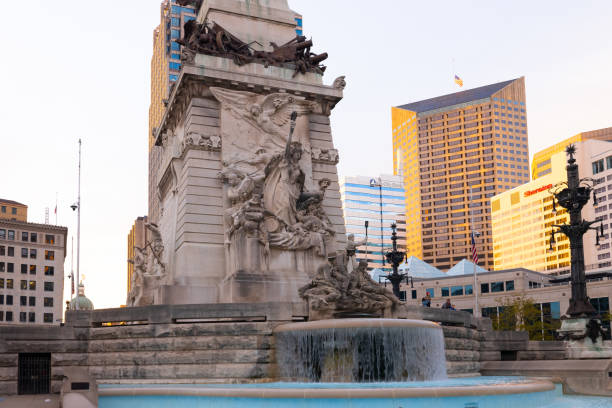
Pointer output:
25, 317
508, 101
26, 300
598, 166
32, 253
9, 267
13, 210
368, 186
26, 236
25, 285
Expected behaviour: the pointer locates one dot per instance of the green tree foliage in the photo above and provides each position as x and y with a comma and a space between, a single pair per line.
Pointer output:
521, 313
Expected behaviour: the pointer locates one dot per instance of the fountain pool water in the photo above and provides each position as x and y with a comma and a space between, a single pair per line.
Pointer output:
476, 392
354, 356
360, 350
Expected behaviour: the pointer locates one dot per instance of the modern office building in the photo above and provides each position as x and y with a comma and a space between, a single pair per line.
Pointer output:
369, 199
495, 289
12, 210
523, 218
31, 271
137, 238
541, 163
454, 153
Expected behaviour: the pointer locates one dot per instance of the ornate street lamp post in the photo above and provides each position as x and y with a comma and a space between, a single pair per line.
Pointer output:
572, 196
395, 258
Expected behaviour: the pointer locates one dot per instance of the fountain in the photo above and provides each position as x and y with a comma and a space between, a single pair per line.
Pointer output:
360, 350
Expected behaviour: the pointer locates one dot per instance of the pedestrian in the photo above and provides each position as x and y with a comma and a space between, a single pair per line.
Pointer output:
426, 301
448, 305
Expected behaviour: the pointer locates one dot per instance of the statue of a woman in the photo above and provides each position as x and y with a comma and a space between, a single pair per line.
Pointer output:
285, 181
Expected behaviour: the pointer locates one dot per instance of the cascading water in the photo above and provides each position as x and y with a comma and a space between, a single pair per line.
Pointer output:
361, 350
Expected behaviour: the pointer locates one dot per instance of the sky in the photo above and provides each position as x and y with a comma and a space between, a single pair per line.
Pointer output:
81, 69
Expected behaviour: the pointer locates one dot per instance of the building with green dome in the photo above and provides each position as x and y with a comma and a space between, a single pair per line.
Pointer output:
81, 300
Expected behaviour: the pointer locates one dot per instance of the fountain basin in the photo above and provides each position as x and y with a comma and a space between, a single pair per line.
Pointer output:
360, 350
477, 392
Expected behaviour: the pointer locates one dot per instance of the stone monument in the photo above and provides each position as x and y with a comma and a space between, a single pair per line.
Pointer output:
246, 182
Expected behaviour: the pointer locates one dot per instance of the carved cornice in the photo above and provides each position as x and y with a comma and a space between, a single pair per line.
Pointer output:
325, 156
198, 141
193, 82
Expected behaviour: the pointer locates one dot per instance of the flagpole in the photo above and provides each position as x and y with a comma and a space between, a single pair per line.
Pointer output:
78, 230
72, 268
475, 290
56, 208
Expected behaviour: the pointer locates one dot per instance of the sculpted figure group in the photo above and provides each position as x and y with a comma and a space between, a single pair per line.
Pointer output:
149, 269
335, 291
266, 192
212, 39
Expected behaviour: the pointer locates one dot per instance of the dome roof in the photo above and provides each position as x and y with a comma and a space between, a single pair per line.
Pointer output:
83, 302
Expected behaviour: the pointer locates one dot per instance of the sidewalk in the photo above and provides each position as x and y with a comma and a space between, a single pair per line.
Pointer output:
30, 401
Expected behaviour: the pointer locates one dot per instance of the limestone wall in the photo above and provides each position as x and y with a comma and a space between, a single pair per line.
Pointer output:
212, 343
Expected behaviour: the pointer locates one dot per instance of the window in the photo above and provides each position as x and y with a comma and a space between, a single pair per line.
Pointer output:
48, 286
445, 292
33, 237
32, 285
23, 300
32, 300
2, 234
484, 288
32, 317
173, 77
1, 283
468, 290
22, 317
24, 268
598, 166
10, 267
509, 285
24, 284
33, 253
2, 250
32, 269
9, 316
10, 251
176, 22
9, 285
609, 162
414, 294
457, 291
49, 271
13, 210
4, 208
175, 34
48, 302
49, 239
24, 236
1, 266
1, 315
430, 291
49, 255
497, 287
1, 299
174, 65
11, 235
174, 46
24, 252
48, 317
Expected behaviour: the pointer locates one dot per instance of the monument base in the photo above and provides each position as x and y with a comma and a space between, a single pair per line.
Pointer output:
583, 341
260, 287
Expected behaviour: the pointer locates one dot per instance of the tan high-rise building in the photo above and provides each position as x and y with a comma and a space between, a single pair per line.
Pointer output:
455, 152
31, 269
13, 211
541, 163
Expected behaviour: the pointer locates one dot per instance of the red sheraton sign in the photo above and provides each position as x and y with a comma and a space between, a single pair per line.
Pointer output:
537, 190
